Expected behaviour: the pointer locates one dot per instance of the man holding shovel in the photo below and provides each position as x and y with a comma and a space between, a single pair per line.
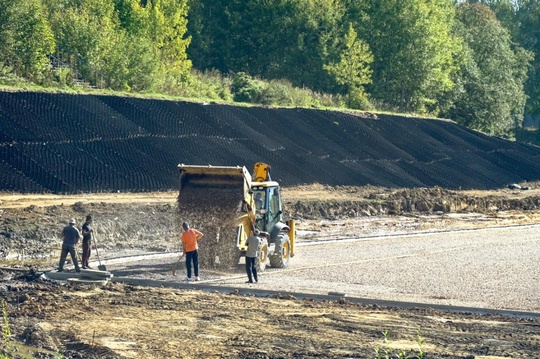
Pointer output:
190, 237
87, 231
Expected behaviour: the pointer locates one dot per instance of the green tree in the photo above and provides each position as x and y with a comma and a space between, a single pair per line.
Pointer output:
132, 66
27, 38
268, 39
522, 19
490, 94
133, 16
210, 28
168, 28
7, 34
505, 11
528, 36
128, 44
159, 57
413, 47
321, 26
352, 69
87, 37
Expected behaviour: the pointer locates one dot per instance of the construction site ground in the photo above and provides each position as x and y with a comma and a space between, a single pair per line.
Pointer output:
442, 264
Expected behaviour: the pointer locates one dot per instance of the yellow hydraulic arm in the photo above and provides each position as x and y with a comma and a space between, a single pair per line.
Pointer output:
261, 172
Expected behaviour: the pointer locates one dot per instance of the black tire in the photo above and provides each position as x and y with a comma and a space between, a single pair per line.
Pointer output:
262, 260
282, 253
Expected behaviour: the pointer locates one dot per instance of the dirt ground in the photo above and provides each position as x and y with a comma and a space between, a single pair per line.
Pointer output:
56, 320
120, 321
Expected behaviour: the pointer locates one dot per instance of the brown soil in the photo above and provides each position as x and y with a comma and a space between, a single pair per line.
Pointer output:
123, 321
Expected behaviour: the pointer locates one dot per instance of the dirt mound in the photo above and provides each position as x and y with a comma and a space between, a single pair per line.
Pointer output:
36, 336
375, 201
214, 212
34, 232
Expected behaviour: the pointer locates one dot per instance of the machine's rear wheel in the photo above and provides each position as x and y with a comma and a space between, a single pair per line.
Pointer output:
282, 254
262, 260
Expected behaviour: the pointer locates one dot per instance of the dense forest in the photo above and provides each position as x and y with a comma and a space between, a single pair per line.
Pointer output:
476, 62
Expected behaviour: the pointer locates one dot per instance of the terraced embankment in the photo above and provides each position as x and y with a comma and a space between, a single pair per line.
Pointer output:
64, 143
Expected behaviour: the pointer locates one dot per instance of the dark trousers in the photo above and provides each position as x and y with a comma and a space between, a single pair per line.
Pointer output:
66, 248
86, 251
251, 270
192, 257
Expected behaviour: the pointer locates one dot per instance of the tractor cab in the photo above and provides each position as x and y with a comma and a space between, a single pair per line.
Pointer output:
268, 207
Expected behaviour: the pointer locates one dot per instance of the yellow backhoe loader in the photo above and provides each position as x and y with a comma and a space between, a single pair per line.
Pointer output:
214, 191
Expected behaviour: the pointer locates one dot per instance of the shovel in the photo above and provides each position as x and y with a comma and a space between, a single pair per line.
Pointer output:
176, 265
100, 266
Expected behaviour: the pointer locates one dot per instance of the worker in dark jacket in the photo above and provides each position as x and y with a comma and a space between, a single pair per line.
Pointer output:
71, 237
252, 252
87, 231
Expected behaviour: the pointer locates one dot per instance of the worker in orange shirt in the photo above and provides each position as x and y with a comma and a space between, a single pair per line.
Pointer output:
190, 237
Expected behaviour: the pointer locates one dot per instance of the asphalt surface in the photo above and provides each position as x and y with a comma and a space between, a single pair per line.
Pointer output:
488, 268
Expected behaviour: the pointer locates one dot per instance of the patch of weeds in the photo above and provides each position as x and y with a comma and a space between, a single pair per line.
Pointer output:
5, 345
420, 340
387, 353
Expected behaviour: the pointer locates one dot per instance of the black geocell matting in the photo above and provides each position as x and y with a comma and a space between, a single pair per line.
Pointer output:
83, 143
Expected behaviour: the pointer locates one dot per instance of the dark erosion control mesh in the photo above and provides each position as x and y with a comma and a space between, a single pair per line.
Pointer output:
65, 143
213, 211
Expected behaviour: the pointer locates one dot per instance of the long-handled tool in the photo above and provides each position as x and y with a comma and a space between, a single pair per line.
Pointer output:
100, 266
176, 265
79, 258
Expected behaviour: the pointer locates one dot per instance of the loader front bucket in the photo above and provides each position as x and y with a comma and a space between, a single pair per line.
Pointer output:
213, 176
212, 198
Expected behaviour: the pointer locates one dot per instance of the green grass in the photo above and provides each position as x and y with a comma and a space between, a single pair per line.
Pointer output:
209, 86
383, 352
6, 346
212, 86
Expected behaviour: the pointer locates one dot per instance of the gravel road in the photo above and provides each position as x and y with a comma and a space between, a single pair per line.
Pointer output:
487, 268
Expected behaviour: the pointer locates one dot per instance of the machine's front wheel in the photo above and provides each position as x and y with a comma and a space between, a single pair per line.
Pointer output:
282, 254
262, 260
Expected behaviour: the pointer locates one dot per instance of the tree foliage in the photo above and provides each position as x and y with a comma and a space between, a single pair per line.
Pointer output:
27, 38
271, 39
413, 49
352, 69
522, 19
454, 58
527, 34
122, 44
489, 96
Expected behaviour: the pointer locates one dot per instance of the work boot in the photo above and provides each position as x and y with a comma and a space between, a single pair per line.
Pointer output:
60, 270
197, 278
